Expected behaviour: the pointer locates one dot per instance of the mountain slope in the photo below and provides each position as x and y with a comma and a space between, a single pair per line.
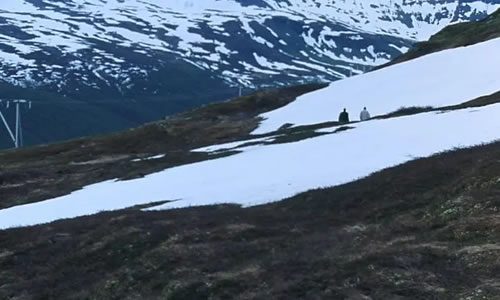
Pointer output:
266, 173
90, 160
150, 54
457, 35
427, 229
322, 163
110, 45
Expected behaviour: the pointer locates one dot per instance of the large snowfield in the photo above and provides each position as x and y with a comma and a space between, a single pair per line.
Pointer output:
266, 173
440, 79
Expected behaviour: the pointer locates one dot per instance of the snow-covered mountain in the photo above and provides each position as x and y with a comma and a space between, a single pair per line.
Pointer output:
266, 169
138, 47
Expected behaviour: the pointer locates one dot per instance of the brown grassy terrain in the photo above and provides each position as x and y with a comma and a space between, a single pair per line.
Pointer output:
428, 229
478, 102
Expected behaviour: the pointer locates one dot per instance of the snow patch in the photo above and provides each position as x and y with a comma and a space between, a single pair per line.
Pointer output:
263, 174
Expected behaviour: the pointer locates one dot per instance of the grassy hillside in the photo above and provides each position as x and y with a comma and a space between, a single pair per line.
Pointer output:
453, 36
38, 173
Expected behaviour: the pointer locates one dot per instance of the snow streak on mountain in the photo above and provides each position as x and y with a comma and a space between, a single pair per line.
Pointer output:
123, 47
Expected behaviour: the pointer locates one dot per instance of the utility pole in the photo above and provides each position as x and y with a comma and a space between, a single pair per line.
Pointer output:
7, 126
17, 125
240, 92
17, 136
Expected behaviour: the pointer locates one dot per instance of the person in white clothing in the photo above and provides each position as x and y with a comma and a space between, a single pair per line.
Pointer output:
364, 115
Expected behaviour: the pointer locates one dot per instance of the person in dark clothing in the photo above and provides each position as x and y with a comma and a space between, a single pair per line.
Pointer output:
344, 117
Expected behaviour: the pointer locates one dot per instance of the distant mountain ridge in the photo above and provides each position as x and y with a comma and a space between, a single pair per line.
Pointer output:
119, 46
183, 53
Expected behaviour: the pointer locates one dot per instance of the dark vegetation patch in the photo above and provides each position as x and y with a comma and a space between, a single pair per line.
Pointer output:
454, 36
478, 102
300, 133
405, 111
481, 101
343, 128
427, 229
295, 137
